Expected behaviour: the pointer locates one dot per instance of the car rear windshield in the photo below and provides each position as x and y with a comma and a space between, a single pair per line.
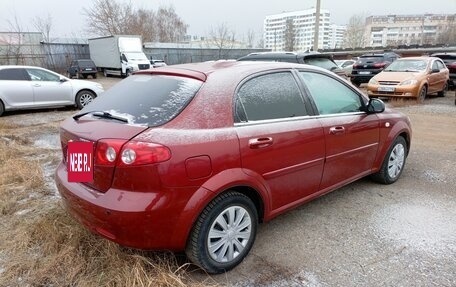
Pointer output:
86, 63
151, 100
370, 59
321, 62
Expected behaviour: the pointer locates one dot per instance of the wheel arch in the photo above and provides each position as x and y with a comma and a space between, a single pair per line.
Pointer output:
82, 90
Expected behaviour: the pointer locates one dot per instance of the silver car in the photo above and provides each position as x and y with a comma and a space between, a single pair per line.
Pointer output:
28, 87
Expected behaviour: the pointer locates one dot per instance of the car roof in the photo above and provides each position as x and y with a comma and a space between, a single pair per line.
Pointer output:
202, 70
426, 58
20, 66
281, 55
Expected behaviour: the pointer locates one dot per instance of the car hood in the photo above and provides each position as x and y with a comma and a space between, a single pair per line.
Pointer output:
398, 76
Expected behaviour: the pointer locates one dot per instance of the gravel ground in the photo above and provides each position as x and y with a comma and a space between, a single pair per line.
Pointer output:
364, 234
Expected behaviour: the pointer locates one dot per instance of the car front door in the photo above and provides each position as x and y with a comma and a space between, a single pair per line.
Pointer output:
352, 135
48, 90
16, 88
279, 142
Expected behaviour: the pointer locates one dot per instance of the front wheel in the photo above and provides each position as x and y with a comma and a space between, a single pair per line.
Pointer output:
224, 233
422, 94
83, 98
393, 163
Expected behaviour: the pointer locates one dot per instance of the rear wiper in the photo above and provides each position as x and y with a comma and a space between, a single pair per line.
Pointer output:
101, 114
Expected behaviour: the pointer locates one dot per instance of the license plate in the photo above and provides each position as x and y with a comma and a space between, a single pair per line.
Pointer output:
364, 73
385, 89
88, 69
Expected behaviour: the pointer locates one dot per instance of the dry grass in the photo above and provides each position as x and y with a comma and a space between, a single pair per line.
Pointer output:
41, 245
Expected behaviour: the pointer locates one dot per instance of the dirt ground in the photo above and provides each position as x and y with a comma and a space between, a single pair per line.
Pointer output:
364, 234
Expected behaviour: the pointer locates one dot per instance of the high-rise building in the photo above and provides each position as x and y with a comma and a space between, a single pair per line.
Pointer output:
336, 40
296, 29
407, 29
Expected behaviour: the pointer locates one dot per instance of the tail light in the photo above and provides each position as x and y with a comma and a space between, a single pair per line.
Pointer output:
114, 152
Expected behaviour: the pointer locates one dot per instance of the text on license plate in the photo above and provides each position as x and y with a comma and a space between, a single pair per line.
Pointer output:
385, 89
364, 73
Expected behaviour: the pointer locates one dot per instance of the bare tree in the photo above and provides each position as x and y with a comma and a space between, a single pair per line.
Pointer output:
15, 41
43, 25
221, 37
290, 35
171, 28
355, 33
448, 35
250, 38
107, 17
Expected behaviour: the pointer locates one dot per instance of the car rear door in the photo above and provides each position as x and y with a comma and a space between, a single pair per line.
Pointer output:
48, 90
280, 143
16, 88
437, 80
351, 135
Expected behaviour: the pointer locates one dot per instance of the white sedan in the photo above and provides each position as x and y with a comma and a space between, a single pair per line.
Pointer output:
29, 87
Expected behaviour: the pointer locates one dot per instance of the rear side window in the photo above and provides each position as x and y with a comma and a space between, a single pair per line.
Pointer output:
86, 64
147, 100
271, 96
14, 74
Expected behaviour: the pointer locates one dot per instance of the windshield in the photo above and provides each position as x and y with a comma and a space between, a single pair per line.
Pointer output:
150, 100
137, 56
86, 63
407, 66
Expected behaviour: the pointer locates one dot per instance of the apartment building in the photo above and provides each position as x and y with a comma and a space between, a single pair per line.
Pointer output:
303, 29
407, 29
337, 35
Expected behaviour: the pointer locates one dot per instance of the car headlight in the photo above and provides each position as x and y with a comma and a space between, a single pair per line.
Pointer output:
373, 81
409, 82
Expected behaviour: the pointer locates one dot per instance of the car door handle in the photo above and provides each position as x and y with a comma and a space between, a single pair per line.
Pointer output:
260, 142
336, 130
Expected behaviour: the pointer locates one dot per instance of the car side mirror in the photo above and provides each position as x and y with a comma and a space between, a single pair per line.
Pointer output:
63, 79
375, 106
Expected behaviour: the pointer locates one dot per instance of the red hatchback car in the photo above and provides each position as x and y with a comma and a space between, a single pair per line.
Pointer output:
192, 157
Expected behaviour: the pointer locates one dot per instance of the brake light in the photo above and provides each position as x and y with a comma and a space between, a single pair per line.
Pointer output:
113, 152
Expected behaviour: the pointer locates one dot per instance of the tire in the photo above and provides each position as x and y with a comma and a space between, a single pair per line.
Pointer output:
356, 84
84, 76
222, 218
105, 74
393, 163
83, 98
127, 73
442, 92
2, 108
94, 76
422, 94
78, 75
69, 75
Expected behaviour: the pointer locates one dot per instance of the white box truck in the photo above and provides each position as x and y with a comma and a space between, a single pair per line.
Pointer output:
118, 55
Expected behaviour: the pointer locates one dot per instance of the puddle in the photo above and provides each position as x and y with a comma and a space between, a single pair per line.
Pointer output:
418, 227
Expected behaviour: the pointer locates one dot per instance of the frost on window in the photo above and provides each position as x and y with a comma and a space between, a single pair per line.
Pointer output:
147, 100
271, 96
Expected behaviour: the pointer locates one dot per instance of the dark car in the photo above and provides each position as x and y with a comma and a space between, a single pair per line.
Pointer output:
218, 148
82, 69
369, 65
450, 61
324, 61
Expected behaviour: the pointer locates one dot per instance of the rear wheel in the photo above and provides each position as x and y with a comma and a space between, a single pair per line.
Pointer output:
69, 75
422, 94
442, 92
105, 73
85, 76
83, 98
224, 233
94, 76
393, 163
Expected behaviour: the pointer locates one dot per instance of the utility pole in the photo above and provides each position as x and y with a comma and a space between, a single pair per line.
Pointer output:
317, 26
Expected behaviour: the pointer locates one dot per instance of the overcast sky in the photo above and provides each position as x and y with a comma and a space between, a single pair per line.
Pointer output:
240, 15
